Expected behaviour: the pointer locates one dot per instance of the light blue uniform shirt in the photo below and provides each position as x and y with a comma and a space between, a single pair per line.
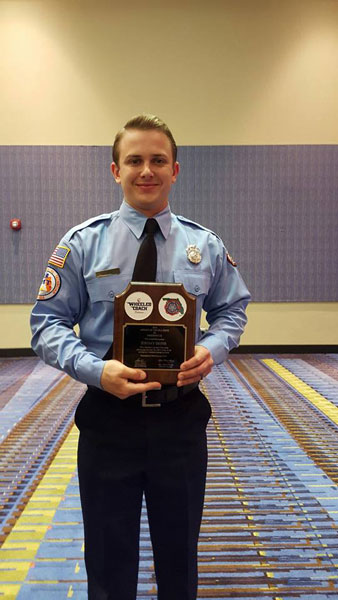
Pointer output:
111, 241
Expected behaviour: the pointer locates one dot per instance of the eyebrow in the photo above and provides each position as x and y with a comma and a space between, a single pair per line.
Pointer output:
140, 156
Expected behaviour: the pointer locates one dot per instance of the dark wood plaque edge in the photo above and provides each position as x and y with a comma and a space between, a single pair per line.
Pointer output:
168, 376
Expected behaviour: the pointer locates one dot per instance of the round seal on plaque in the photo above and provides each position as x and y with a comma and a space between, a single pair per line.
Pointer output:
172, 306
138, 306
194, 254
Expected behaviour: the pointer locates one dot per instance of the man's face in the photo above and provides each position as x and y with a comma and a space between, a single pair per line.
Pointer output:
146, 170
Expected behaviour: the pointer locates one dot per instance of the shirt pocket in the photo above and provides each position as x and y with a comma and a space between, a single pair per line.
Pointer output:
104, 289
197, 284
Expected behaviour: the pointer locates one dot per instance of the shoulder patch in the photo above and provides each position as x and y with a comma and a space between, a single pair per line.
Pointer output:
50, 285
59, 256
231, 260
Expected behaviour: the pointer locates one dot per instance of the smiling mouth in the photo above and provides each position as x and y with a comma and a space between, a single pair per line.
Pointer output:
146, 186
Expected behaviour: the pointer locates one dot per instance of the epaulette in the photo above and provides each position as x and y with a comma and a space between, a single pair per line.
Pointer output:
87, 223
197, 225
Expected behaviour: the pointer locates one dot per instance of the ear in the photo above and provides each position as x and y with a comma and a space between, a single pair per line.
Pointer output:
176, 171
116, 172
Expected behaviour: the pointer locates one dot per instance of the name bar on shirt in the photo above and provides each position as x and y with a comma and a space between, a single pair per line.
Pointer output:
107, 272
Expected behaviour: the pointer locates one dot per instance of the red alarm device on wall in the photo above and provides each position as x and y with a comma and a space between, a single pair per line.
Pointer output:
15, 224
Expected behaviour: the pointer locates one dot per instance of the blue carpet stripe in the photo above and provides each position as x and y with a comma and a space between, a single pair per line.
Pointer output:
40, 381
322, 383
270, 521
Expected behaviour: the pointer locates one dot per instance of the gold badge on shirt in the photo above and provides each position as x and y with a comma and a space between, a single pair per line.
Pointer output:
194, 254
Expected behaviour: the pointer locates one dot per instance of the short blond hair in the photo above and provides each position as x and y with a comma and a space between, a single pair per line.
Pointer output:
144, 122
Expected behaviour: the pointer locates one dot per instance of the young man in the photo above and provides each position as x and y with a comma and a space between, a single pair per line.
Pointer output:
127, 449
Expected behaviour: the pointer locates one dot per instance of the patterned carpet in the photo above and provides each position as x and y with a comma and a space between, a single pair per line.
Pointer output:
271, 512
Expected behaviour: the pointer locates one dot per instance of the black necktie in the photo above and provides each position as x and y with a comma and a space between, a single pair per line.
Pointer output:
146, 260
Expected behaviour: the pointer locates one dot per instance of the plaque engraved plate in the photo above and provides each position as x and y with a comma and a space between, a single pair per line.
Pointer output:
154, 329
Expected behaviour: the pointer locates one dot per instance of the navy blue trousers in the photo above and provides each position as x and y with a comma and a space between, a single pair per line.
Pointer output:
131, 451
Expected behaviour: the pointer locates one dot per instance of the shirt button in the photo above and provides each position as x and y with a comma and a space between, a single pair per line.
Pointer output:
111, 294
197, 288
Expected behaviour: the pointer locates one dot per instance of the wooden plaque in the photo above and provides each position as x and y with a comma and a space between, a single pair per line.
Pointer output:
154, 329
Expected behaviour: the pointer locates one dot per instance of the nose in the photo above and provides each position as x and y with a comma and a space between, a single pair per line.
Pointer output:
146, 170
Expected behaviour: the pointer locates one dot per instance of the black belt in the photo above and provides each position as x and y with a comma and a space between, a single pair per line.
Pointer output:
153, 398
166, 394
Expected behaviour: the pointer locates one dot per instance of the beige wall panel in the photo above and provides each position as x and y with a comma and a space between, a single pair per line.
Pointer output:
221, 72
292, 323
14, 325
275, 323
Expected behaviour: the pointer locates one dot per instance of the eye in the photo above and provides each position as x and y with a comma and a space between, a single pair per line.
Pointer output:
134, 161
159, 161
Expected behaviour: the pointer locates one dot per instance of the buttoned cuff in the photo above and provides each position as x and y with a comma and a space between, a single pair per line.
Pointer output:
218, 352
89, 369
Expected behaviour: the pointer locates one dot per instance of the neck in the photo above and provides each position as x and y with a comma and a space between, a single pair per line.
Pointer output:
148, 211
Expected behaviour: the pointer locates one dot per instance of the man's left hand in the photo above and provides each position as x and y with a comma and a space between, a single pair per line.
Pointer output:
196, 367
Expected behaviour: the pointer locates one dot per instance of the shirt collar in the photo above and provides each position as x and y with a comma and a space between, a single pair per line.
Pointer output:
135, 220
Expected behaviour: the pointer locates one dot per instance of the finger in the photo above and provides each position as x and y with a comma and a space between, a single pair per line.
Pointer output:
139, 388
191, 363
188, 381
196, 374
201, 354
202, 368
191, 373
133, 374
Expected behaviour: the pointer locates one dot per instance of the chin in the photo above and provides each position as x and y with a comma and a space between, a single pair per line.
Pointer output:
150, 206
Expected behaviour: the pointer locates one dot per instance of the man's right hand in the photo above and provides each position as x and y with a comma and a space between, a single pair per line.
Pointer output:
121, 381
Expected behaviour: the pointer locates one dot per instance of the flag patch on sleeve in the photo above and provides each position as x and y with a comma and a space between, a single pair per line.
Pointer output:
59, 256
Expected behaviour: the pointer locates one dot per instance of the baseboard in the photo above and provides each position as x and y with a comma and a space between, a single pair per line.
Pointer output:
16, 352
287, 349
249, 349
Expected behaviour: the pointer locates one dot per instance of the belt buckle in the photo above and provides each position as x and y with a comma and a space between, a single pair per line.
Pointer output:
144, 403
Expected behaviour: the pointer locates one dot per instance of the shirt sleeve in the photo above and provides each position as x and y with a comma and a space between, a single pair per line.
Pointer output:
54, 316
225, 307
